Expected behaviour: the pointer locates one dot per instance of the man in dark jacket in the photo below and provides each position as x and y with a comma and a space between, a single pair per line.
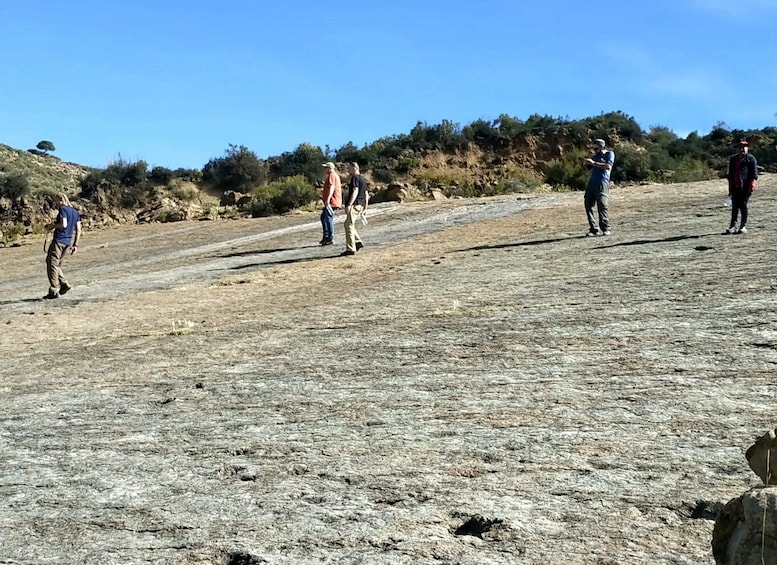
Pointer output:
742, 180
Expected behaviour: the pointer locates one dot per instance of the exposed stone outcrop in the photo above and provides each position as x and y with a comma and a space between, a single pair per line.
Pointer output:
745, 530
762, 457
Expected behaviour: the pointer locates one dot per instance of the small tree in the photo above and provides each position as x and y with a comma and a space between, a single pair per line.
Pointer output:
46, 146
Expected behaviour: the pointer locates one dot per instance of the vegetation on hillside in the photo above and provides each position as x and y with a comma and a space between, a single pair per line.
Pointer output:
485, 157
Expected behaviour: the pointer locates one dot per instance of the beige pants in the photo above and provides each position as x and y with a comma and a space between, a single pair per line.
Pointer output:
351, 236
53, 261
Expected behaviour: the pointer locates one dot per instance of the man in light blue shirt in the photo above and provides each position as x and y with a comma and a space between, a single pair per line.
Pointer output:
598, 191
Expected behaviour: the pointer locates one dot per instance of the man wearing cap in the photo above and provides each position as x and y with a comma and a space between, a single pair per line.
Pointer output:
332, 196
597, 193
742, 179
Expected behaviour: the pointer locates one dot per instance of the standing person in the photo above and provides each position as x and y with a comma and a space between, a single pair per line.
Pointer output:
598, 191
67, 232
332, 195
742, 180
358, 198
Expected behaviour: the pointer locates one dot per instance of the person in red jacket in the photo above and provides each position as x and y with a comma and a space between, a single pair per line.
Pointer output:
332, 195
742, 180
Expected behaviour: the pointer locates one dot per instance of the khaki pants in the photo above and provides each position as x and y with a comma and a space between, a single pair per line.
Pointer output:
53, 261
351, 236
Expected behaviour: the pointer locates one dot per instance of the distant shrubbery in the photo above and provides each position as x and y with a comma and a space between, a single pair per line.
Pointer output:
283, 195
239, 169
483, 158
14, 186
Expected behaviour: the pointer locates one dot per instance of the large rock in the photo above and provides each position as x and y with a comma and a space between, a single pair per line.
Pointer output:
745, 531
762, 457
393, 193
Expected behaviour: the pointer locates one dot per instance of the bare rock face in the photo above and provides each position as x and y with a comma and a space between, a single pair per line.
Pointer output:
437, 194
745, 532
762, 457
392, 193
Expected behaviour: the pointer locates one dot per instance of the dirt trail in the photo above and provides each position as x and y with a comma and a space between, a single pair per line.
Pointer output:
481, 384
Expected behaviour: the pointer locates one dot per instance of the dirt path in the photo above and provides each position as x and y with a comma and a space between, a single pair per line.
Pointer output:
482, 384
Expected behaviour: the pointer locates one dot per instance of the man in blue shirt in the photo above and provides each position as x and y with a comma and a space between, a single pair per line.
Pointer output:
598, 191
67, 232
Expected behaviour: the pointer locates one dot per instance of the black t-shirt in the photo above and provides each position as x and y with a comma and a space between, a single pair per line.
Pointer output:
359, 183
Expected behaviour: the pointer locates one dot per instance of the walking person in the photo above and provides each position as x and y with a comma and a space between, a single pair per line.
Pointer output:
67, 232
356, 206
597, 193
332, 196
742, 180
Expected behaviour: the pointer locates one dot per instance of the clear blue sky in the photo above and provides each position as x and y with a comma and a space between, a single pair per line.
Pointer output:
174, 82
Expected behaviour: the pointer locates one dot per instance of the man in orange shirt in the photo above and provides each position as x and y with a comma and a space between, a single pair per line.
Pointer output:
332, 196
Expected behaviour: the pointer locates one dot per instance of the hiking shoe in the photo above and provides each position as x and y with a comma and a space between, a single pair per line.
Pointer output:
743, 229
730, 230
606, 232
51, 296
359, 245
347, 253
64, 289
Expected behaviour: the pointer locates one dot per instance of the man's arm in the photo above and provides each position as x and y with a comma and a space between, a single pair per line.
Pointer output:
76, 238
328, 191
59, 224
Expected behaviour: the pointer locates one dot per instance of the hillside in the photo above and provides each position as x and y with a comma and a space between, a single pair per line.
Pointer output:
481, 384
484, 158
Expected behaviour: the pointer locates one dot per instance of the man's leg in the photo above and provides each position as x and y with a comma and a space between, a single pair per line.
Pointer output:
324, 226
603, 205
743, 208
350, 229
53, 259
590, 202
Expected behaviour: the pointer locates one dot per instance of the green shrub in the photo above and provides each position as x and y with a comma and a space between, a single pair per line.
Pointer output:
283, 195
518, 179
453, 182
691, 170
184, 190
161, 175
305, 160
11, 232
383, 174
631, 165
568, 170
14, 186
239, 169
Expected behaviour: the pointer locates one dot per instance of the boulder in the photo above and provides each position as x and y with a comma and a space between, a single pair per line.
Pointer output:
437, 194
745, 531
392, 193
230, 198
762, 457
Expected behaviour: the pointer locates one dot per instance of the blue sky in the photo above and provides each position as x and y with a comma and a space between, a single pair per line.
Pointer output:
175, 82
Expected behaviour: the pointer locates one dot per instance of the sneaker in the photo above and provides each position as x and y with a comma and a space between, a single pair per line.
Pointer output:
327, 242
51, 296
592, 233
359, 245
606, 232
347, 253
730, 230
743, 229
64, 289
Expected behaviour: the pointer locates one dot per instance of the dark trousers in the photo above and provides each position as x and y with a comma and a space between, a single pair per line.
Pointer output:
739, 200
598, 195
